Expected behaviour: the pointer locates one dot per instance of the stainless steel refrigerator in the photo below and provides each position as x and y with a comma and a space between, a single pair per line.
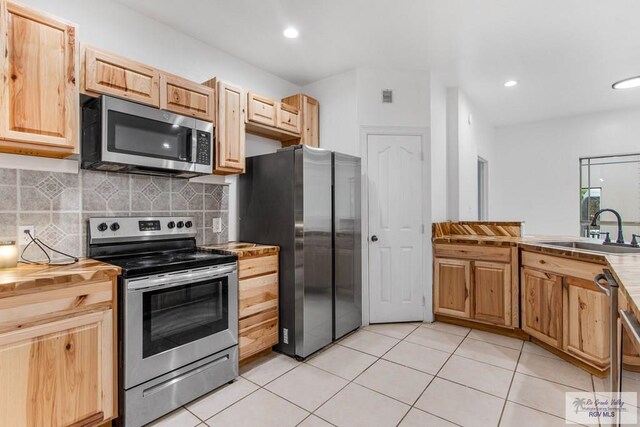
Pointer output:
307, 201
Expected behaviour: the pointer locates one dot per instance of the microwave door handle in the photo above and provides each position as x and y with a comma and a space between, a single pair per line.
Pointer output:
194, 145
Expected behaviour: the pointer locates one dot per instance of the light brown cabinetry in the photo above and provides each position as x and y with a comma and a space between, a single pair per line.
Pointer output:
185, 97
57, 356
111, 74
269, 118
310, 118
476, 283
542, 306
230, 128
38, 88
257, 304
562, 307
452, 291
586, 321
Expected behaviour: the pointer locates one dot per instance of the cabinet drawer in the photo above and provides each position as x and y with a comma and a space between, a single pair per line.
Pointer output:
255, 266
185, 97
289, 118
561, 266
112, 74
257, 294
262, 110
473, 252
259, 335
27, 309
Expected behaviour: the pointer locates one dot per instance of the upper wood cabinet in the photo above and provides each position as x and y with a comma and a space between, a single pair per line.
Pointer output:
111, 74
230, 128
586, 322
269, 118
542, 306
289, 118
452, 287
185, 97
58, 356
38, 83
310, 118
262, 110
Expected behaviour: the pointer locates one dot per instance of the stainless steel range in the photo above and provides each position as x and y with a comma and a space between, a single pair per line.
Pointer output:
178, 313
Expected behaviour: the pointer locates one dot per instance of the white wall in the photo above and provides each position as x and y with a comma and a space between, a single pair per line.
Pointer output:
112, 26
536, 169
438, 128
338, 112
469, 135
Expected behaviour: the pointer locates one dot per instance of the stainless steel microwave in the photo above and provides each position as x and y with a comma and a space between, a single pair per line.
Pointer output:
123, 136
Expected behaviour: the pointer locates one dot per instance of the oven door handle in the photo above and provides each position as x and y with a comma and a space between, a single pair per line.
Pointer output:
180, 279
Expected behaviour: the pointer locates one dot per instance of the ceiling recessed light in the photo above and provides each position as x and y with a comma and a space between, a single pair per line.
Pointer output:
627, 83
510, 83
290, 33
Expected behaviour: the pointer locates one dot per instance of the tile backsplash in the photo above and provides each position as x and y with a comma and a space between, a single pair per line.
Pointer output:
59, 204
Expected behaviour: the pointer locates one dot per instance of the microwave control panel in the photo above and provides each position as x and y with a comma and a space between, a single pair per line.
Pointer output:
203, 150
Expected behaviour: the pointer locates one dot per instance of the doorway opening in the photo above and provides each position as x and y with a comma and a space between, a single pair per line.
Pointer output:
483, 189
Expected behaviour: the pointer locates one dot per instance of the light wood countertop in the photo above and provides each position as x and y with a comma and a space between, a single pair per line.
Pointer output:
29, 278
243, 249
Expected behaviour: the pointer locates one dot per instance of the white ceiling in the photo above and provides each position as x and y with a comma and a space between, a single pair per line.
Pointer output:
565, 53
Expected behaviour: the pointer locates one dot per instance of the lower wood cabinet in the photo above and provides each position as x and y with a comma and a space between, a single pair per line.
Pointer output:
58, 364
542, 306
586, 321
257, 304
452, 290
562, 307
475, 285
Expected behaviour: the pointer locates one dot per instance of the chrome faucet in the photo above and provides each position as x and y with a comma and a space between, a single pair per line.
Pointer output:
620, 238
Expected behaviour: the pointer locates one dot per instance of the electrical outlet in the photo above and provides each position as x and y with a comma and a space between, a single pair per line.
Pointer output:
216, 224
23, 237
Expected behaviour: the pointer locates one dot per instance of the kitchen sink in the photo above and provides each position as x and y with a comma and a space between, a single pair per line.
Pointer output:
595, 247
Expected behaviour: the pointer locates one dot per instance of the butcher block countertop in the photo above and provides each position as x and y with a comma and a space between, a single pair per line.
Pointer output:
625, 267
29, 278
243, 250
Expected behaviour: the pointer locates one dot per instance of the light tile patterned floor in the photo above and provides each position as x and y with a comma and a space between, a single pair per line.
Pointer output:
403, 374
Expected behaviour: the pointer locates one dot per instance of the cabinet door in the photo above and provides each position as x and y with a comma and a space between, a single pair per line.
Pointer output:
112, 74
59, 373
586, 322
311, 121
262, 110
492, 292
542, 306
630, 356
38, 89
289, 118
452, 294
230, 129
185, 97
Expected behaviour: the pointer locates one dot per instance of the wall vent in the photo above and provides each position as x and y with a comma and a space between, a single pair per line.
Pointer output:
387, 96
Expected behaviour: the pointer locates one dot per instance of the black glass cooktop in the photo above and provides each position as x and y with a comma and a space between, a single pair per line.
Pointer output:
140, 265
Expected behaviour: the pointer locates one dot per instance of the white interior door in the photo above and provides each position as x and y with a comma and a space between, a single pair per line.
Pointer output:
395, 228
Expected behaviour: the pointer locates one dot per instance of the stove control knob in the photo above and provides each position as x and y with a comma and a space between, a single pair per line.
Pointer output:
171, 224
188, 224
180, 224
115, 226
103, 226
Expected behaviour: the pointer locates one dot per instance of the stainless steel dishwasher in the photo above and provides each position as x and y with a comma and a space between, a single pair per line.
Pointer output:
624, 376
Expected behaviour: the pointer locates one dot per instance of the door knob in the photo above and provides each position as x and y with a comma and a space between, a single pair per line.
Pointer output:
374, 238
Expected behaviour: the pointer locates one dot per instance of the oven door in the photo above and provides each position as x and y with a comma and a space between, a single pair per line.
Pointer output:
173, 319
143, 136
